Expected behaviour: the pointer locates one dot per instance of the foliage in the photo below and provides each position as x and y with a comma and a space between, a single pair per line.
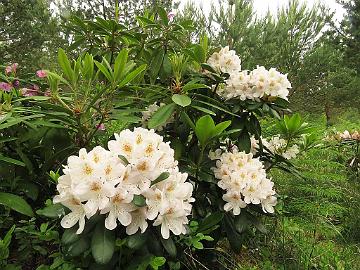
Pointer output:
151, 69
27, 30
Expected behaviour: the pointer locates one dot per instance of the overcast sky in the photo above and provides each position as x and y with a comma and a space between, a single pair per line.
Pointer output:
262, 6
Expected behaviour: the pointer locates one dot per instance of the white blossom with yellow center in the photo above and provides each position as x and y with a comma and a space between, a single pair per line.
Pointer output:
106, 182
244, 180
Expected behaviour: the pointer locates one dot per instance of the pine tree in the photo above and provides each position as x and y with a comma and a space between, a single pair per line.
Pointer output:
28, 33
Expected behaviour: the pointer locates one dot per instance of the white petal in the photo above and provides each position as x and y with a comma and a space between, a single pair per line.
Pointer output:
165, 231
110, 221
90, 208
81, 224
124, 218
70, 220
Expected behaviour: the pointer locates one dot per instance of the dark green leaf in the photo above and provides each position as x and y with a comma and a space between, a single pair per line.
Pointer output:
102, 244
139, 200
210, 221
70, 236
16, 203
161, 115
12, 161
191, 86
136, 241
124, 160
161, 177
78, 248
52, 211
244, 141
169, 246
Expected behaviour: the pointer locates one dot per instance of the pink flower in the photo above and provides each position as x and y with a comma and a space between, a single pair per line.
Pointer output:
101, 127
41, 73
171, 16
11, 68
29, 92
5, 86
35, 87
47, 93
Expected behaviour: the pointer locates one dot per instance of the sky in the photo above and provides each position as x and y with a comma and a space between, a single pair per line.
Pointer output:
262, 6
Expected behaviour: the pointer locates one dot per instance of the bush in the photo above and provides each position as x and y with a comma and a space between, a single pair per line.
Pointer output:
202, 176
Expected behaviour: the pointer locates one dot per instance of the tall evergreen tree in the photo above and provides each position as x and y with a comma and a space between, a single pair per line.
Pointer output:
28, 33
349, 33
124, 10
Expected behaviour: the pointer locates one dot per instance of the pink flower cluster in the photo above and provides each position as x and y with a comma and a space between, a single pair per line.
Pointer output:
11, 69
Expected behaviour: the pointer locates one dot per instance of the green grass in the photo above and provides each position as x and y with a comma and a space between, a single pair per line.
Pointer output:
318, 221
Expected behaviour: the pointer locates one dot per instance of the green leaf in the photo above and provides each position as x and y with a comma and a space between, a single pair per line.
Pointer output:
163, 15
161, 115
156, 64
241, 222
244, 141
120, 63
12, 161
132, 75
16, 203
102, 244
219, 128
136, 241
163, 176
182, 100
104, 71
169, 246
198, 245
156, 262
186, 118
65, 65
124, 160
235, 239
191, 86
210, 221
70, 236
200, 54
207, 111
204, 128
78, 248
52, 211
139, 200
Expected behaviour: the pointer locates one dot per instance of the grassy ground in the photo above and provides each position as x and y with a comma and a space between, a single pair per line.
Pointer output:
317, 226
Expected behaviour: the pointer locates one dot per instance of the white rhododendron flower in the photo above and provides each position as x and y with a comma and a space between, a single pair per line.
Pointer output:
148, 113
107, 182
225, 61
245, 182
243, 84
280, 147
259, 83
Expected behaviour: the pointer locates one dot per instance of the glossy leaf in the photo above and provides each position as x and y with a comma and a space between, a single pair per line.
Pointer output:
16, 203
161, 115
102, 244
182, 100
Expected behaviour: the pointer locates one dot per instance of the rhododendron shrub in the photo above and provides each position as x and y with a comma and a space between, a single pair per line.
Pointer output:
187, 166
138, 167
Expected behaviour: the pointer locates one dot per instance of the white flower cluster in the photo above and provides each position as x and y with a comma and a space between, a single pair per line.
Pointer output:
244, 180
275, 145
280, 147
225, 61
259, 83
148, 113
109, 182
346, 135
